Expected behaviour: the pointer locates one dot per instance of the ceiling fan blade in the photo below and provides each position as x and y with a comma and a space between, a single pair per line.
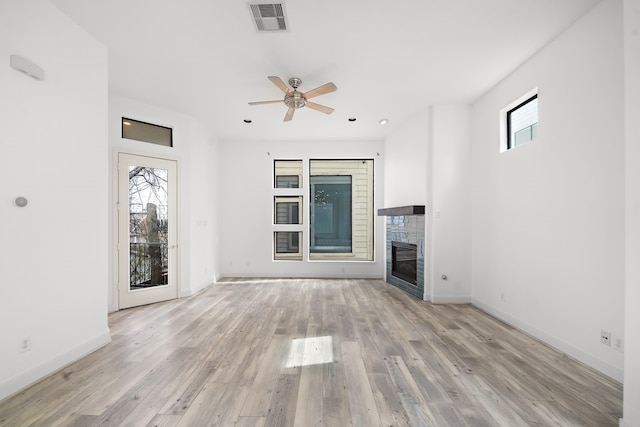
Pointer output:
289, 114
265, 102
318, 107
278, 82
321, 90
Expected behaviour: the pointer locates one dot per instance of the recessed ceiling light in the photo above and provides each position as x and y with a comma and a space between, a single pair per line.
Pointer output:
352, 119
247, 120
383, 122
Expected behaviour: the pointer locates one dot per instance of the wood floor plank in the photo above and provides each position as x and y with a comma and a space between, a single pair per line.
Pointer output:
259, 400
204, 410
162, 420
333, 376
145, 400
390, 408
187, 390
282, 410
250, 422
335, 412
410, 395
369, 354
362, 404
80, 421
310, 401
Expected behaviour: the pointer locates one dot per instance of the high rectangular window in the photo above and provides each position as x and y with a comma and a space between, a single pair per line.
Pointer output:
147, 132
522, 122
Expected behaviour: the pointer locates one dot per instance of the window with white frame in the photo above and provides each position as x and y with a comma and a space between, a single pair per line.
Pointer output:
287, 210
340, 210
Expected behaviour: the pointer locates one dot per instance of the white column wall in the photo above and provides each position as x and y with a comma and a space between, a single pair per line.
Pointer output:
53, 141
450, 213
407, 176
631, 410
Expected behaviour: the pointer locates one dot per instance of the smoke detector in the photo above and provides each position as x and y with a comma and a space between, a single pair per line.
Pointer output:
269, 17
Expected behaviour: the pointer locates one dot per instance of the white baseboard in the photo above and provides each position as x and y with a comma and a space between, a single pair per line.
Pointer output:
299, 276
451, 299
192, 291
599, 365
25, 379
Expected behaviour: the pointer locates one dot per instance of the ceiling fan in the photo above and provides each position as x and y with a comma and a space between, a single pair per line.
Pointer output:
295, 99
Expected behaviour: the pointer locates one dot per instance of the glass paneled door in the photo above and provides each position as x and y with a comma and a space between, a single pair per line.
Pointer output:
147, 250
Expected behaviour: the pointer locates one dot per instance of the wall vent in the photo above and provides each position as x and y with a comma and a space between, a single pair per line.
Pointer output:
269, 17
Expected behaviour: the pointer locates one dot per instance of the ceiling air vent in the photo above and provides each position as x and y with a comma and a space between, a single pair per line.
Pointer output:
269, 17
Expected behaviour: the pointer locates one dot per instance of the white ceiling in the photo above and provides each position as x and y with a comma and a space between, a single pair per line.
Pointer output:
389, 59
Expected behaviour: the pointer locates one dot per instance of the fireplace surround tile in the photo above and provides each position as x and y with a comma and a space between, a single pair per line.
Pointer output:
408, 228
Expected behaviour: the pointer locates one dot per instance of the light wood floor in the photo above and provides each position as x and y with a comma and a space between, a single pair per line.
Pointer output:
224, 357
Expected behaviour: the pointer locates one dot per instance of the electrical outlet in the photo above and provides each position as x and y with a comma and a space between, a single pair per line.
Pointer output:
24, 345
605, 337
618, 343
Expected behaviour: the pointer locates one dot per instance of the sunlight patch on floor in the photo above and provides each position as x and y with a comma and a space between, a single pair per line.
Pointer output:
310, 351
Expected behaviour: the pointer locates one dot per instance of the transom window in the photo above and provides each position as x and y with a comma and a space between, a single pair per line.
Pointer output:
147, 132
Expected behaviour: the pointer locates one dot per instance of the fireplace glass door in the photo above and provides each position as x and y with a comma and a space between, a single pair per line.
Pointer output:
404, 261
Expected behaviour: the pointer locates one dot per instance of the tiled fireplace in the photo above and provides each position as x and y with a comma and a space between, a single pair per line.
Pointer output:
405, 248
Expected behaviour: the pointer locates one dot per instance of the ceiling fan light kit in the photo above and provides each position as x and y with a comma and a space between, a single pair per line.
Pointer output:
295, 99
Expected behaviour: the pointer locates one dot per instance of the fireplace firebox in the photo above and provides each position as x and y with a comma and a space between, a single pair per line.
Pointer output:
404, 261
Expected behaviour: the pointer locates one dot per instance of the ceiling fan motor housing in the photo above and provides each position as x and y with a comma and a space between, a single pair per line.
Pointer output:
294, 100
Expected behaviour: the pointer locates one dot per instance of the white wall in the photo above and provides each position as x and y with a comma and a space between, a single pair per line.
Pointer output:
405, 160
197, 154
548, 217
204, 211
427, 162
407, 175
247, 218
631, 410
53, 140
449, 214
